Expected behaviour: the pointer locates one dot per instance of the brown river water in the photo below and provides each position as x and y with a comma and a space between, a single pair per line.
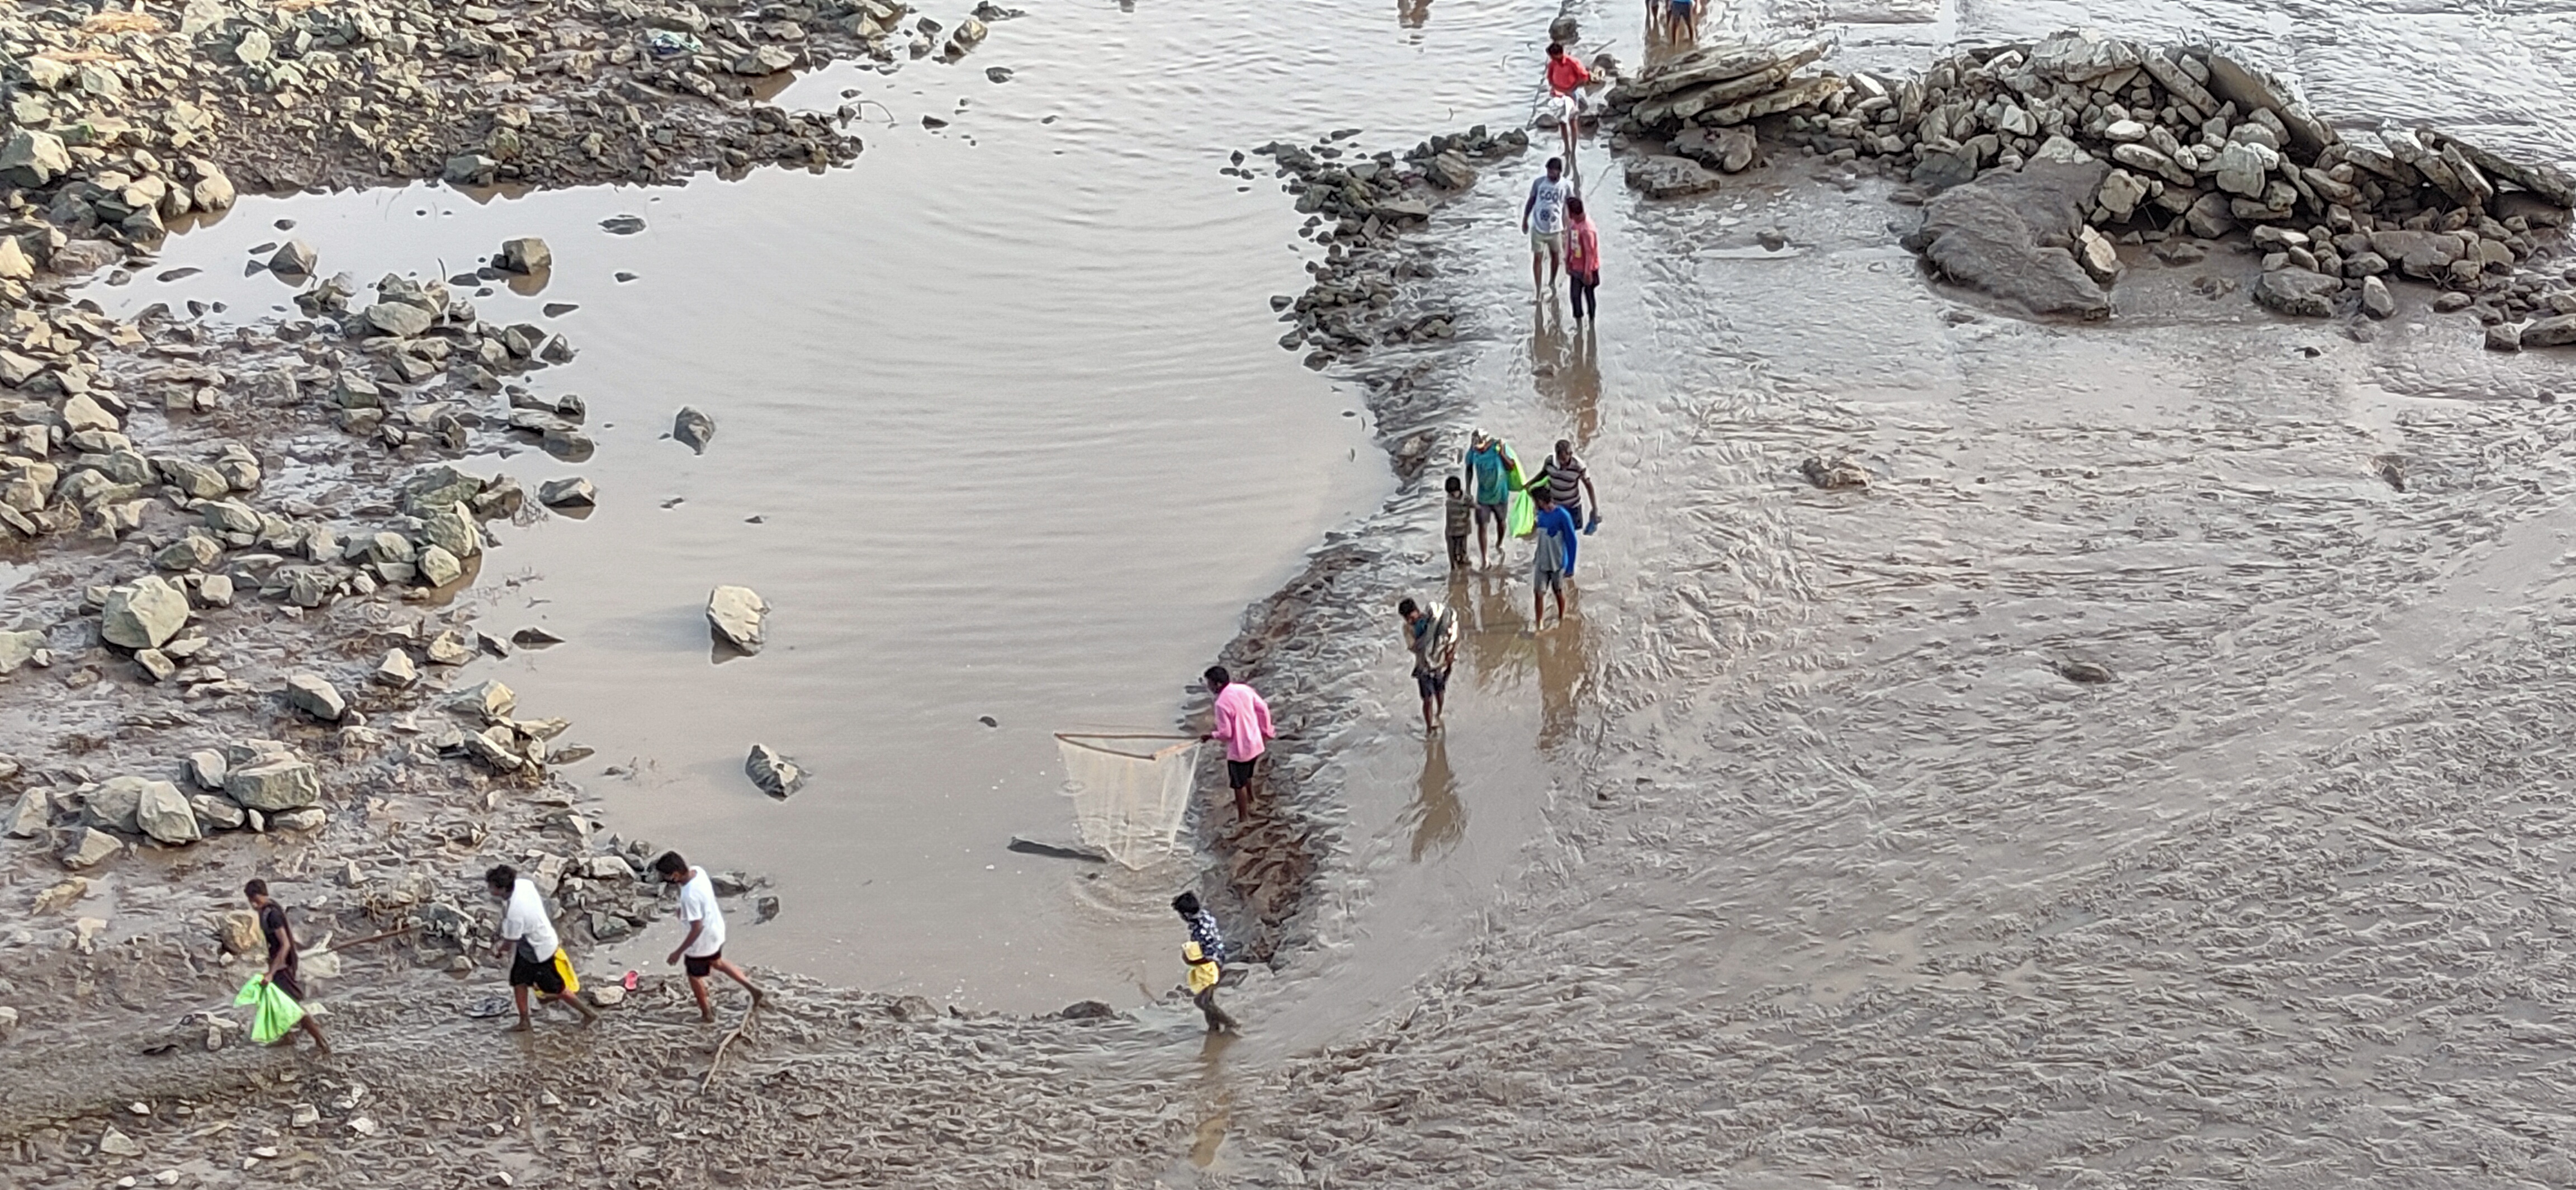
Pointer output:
1791, 856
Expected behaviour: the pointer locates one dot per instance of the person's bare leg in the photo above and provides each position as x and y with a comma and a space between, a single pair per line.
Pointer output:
758, 997
1430, 716
706, 1005
589, 1015
1242, 803
315, 1032
1537, 257
1538, 608
519, 996
1481, 559
1554, 261
1560, 603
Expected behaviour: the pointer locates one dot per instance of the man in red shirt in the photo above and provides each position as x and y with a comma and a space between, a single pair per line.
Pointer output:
1565, 80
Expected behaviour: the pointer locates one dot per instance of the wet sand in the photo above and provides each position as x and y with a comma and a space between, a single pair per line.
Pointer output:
1794, 859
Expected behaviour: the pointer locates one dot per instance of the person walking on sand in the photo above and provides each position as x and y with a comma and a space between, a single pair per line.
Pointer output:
1553, 562
1682, 22
1204, 954
1582, 262
1543, 217
1432, 634
283, 956
1565, 81
1488, 467
703, 947
537, 958
1569, 483
1242, 720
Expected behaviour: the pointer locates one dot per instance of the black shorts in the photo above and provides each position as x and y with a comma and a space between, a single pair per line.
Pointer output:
285, 981
1458, 550
699, 965
1433, 683
540, 975
1238, 773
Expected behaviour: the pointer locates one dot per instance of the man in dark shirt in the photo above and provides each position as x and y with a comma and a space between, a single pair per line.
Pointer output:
282, 952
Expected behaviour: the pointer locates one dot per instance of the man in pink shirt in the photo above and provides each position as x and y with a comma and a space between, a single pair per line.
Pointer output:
1243, 722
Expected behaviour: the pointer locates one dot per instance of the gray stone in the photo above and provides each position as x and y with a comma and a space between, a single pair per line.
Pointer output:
438, 567
295, 258
206, 767
736, 615
2504, 336
194, 551
493, 746
402, 320
315, 696
155, 664
274, 783
94, 847
33, 811
113, 803
575, 492
469, 169
774, 774
143, 614
2121, 193
19, 648
396, 670
2376, 301
2298, 293
526, 254
2210, 217
2095, 252
306, 819
2559, 331
1670, 177
489, 701
215, 590
453, 530
196, 479
1942, 169
1727, 150
693, 429
164, 815
33, 158
216, 813
2002, 234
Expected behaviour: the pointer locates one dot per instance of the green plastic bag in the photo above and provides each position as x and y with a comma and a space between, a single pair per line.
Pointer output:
278, 1012
1520, 516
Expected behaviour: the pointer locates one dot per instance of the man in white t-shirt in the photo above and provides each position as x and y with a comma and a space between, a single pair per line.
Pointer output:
703, 947
537, 959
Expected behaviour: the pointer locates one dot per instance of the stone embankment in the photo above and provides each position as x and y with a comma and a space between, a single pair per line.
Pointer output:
2037, 163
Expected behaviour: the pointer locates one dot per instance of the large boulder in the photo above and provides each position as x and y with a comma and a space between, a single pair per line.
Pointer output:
114, 802
402, 320
528, 254
164, 814
143, 614
19, 648
736, 615
33, 158
2011, 234
274, 783
1727, 150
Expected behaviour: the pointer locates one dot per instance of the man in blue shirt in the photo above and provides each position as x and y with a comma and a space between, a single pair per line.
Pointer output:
1554, 561
1489, 483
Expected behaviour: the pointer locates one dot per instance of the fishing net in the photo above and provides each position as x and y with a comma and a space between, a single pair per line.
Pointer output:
1129, 795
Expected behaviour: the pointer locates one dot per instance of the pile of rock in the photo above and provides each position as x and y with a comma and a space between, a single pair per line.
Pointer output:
1702, 101
1351, 305
258, 785
2189, 141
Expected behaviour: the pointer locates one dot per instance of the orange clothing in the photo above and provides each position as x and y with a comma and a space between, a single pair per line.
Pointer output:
1564, 74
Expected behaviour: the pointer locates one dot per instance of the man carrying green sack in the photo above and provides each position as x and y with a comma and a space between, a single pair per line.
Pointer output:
277, 991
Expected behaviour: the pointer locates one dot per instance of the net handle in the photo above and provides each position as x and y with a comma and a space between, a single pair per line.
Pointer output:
1081, 739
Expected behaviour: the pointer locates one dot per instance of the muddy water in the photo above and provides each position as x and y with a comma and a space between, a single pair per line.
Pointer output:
1003, 431
1004, 400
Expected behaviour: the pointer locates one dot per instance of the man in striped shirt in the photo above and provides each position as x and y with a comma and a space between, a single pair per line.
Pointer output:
1569, 483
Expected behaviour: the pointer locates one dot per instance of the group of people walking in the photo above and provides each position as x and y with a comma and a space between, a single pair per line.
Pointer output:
541, 972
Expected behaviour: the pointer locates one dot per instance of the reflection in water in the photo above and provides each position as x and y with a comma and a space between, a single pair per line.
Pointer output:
1565, 368
1437, 816
1564, 656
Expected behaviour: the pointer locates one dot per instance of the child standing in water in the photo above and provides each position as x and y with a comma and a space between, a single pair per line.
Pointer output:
1582, 261
1459, 512
1205, 954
